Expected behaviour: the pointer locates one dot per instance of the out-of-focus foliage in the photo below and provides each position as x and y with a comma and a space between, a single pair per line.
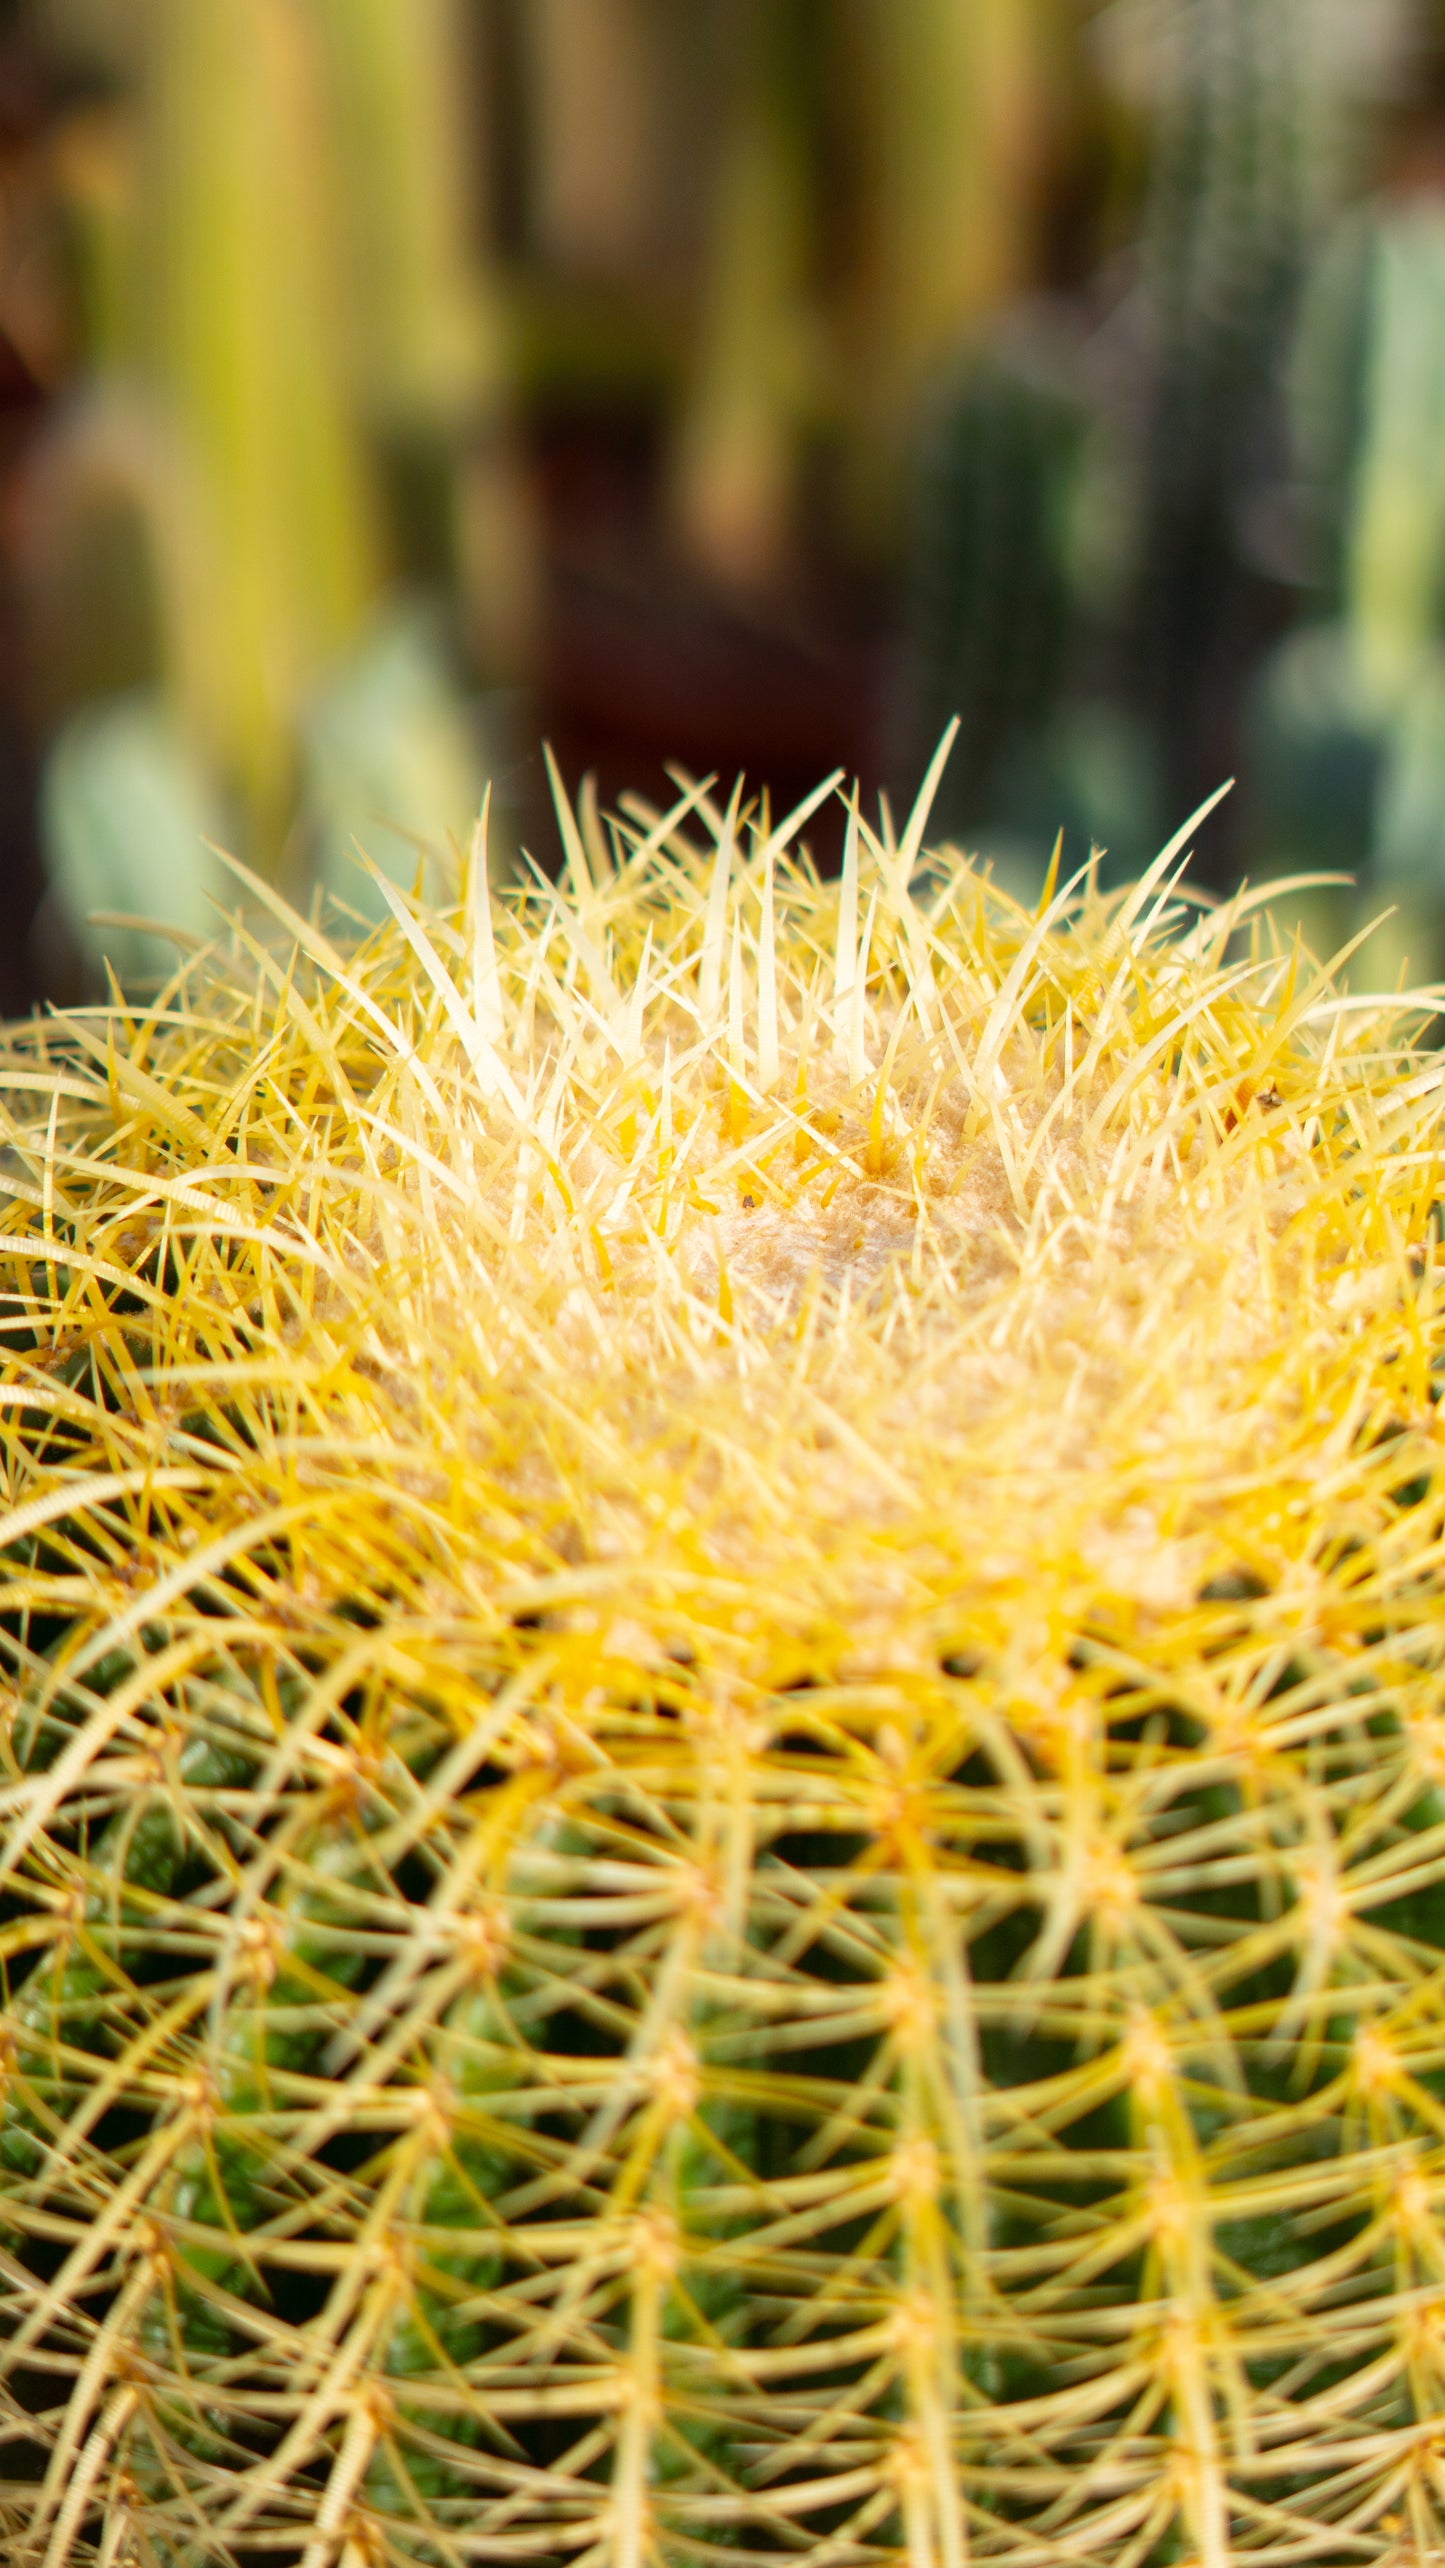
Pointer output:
1090, 495
283, 307
298, 356
972, 316
1349, 712
936, 118
736, 458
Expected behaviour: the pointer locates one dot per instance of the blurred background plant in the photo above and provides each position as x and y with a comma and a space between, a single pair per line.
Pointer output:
385, 384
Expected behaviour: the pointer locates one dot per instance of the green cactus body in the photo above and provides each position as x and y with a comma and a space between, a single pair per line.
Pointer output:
1241, 175
1346, 714
722, 1775
989, 596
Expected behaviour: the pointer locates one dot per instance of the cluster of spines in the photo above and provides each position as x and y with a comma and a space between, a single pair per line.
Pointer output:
616, 2054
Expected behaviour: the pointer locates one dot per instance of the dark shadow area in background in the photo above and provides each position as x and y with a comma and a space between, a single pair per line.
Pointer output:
25, 106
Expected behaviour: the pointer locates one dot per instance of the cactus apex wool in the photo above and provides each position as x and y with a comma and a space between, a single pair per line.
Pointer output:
722, 1766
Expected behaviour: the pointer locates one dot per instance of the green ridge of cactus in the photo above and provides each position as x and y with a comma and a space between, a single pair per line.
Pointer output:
722, 1768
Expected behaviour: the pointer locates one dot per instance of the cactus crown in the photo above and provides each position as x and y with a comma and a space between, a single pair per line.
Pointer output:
721, 1794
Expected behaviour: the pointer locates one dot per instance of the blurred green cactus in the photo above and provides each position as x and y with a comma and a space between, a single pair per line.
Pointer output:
280, 281
1358, 693
1084, 583
1012, 551
738, 437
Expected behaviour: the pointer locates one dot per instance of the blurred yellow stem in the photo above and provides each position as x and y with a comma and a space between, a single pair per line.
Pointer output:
235, 289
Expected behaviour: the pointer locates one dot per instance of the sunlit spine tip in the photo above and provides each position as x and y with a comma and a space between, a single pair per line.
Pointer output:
486, 977
768, 1059
737, 1053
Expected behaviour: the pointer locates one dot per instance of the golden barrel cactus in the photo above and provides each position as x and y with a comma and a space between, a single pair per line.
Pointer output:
722, 1763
